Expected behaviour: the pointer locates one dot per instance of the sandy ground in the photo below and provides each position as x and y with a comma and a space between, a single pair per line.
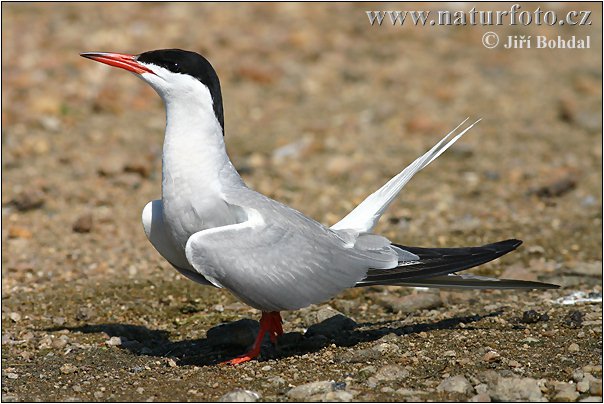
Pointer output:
320, 109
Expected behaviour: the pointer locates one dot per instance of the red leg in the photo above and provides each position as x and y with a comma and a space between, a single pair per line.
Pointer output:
269, 322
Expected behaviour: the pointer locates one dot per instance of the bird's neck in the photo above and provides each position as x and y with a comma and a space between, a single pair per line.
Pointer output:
195, 163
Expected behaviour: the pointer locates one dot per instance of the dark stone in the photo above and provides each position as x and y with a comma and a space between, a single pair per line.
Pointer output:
240, 333
574, 319
532, 316
331, 327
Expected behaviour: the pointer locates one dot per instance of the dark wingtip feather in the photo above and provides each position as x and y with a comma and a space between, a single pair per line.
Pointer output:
439, 261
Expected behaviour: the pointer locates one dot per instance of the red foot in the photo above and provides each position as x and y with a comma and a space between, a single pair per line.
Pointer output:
269, 322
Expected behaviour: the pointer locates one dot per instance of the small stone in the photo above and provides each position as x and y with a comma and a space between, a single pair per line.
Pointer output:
331, 326
276, 381
481, 398
595, 387
514, 388
85, 313
574, 319
514, 364
573, 347
171, 363
583, 386
12, 375
532, 316
565, 392
29, 199
98, 394
239, 333
19, 232
59, 343
455, 384
83, 224
59, 321
338, 396
391, 372
140, 167
591, 399
307, 390
491, 356
68, 368
140, 390
77, 388
16, 317
240, 396
114, 341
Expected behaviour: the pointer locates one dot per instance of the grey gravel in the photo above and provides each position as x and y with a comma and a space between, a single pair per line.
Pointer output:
305, 391
455, 384
391, 372
241, 396
515, 389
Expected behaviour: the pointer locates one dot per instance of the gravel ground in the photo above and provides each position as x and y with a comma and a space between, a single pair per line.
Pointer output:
321, 109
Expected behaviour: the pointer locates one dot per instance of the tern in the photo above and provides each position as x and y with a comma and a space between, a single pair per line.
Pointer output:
216, 231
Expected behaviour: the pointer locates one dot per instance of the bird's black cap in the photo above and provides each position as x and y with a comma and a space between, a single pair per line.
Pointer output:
193, 64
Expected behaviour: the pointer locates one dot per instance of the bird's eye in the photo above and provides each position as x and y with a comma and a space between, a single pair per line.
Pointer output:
175, 67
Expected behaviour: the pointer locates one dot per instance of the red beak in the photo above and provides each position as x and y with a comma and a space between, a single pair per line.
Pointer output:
121, 60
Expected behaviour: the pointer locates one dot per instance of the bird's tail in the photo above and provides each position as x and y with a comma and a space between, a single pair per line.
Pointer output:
365, 216
436, 267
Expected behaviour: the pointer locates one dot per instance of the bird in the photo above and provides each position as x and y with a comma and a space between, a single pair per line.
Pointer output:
217, 231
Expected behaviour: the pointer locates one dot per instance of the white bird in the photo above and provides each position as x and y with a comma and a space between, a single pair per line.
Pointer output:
216, 231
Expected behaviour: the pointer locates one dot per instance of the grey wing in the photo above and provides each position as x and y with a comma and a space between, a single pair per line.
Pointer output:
278, 259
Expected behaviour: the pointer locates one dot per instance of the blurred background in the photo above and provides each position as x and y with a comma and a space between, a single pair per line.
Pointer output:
321, 108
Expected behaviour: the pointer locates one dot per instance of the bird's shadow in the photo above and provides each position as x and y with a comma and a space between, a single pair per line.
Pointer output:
213, 349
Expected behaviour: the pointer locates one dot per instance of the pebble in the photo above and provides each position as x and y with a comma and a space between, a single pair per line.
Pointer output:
12, 375
114, 341
29, 199
16, 317
276, 381
239, 333
339, 396
481, 398
85, 313
595, 387
532, 316
240, 396
455, 384
565, 392
591, 399
514, 388
83, 224
68, 368
60, 343
391, 372
19, 232
331, 326
573, 347
307, 390
171, 363
491, 356
574, 319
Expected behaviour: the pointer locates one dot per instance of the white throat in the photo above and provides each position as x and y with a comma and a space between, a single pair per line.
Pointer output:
195, 165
